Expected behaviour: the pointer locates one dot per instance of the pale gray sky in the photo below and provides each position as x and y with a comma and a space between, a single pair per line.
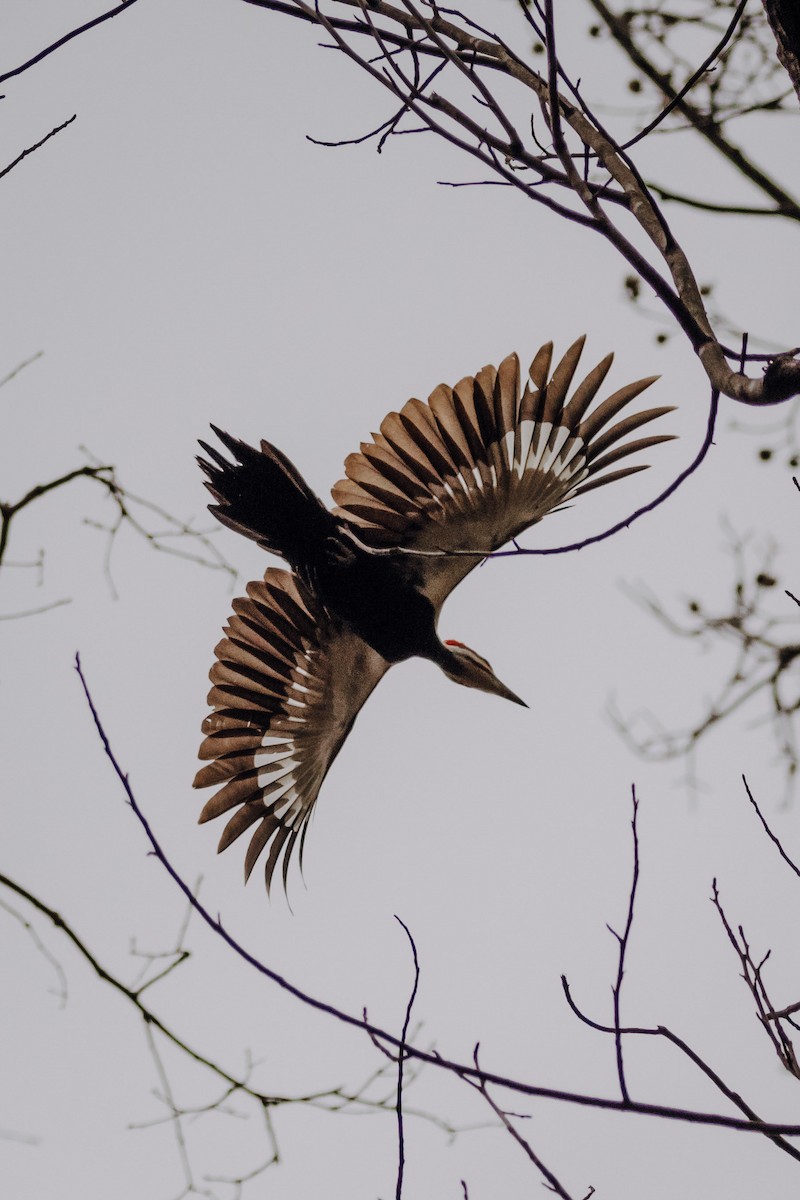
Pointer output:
183, 254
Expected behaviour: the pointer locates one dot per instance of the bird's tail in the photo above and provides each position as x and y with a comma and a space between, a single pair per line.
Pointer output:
263, 496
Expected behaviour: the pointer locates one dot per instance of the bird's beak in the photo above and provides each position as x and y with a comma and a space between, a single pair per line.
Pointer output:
500, 689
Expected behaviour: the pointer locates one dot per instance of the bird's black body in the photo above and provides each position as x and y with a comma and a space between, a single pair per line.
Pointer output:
264, 496
374, 596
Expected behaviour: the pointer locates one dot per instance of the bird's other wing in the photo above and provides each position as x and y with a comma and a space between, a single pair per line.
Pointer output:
480, 462
288, 683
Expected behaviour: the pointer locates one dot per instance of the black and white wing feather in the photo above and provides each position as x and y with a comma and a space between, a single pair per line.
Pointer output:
480, 462
288, 683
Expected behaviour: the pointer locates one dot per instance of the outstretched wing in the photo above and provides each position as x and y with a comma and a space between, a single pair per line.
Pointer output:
288, 683
483, 461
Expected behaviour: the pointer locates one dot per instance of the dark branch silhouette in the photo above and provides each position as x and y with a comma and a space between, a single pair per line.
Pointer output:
773, 1021
707, 121
777, 1023
463, 1070
130, 511
446, 75
67, 37
401, 35
31, 150
388, 41
401, 1054
619, 1031
355, 1101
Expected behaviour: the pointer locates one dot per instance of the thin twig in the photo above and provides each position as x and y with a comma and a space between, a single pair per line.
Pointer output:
35, 612
21, 367
752, 974
623, 948
60, 973
772, 837
18, 160
401, 1054
710, 130
692, 80
552, 1183
62, 41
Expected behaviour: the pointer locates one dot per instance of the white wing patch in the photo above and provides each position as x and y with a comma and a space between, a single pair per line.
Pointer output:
288, 683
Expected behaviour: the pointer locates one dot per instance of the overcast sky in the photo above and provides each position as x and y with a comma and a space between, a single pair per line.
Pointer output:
183, 254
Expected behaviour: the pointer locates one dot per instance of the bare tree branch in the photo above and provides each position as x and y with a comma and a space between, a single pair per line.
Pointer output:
334, 1100
663, 1032
126, 505
21, 367
17, 161
785, 204
462, 1070
692, 80
401, 1054
62, 41
503, 151
772, 837
771, 1019
552, 1182
622, 941
618, 1030
396, 31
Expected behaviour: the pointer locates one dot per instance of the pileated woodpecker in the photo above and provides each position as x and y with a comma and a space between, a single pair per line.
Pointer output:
441, 486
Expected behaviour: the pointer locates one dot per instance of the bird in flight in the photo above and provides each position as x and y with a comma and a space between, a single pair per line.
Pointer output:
444, 484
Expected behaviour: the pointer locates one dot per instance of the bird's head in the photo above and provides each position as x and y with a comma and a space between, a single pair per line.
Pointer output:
463, 665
